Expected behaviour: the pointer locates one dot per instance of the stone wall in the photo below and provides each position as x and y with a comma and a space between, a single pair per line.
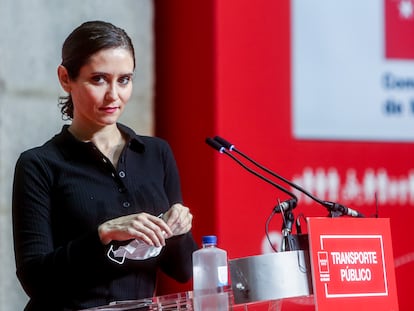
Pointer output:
31, 36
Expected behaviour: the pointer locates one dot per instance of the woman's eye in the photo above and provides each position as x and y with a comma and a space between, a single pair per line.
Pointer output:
124, 80
98, 79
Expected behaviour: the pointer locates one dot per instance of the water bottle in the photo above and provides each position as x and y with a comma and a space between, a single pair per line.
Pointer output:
210, 277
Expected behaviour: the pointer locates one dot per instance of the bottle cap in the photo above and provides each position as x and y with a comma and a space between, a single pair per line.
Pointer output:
209, 239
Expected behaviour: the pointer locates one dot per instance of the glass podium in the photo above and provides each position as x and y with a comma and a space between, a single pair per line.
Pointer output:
268, 282
184, 301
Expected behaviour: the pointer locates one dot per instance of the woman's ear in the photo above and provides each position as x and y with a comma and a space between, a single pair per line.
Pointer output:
64, 78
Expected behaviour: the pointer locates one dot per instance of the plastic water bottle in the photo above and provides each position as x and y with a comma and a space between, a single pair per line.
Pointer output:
210, 277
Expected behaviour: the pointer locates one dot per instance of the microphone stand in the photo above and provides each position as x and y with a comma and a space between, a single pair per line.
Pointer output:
289, 241
334, 209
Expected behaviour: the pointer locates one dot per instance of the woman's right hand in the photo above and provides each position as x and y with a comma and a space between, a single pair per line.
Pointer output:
148, 228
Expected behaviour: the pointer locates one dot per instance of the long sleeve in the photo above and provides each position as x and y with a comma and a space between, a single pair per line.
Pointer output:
46, 269
176, 259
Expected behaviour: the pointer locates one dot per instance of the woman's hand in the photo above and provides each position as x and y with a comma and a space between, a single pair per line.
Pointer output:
148, 228
179, 219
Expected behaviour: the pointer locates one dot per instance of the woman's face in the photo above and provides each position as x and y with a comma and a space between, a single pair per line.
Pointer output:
103, 87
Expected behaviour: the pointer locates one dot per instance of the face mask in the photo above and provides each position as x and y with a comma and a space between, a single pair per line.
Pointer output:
135, 250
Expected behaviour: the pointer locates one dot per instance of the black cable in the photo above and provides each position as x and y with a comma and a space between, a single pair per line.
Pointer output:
267, 229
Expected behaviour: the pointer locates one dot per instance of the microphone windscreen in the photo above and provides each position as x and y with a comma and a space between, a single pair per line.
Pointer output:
224, 142
214, 144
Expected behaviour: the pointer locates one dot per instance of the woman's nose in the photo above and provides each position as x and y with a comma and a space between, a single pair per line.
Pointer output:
111, 93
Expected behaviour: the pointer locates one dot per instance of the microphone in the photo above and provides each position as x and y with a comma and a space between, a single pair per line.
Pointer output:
283, 205
215, 145
335, 209
286, 205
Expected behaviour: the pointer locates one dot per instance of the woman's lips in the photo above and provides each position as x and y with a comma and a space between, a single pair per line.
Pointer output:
109, 109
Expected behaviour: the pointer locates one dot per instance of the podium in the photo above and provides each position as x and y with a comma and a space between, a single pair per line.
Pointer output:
347, 266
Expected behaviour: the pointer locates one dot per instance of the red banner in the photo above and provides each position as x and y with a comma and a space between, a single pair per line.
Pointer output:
352, 264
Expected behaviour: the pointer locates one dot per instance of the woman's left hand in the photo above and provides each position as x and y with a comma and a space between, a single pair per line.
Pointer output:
179, 219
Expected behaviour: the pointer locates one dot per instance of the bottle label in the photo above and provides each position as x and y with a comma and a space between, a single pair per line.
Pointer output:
222, 276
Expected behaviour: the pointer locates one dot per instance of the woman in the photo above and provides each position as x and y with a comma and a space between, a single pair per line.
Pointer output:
96, 189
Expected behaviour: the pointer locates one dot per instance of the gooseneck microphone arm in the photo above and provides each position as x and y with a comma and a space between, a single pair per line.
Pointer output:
335, 209
285, 207
216, 145
231, 147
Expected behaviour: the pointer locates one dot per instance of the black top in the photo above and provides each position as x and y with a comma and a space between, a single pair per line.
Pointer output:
62, 192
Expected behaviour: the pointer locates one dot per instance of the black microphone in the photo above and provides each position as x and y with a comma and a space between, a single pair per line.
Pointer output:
337, 209
215, 145
286, 205
334, 209
283, 206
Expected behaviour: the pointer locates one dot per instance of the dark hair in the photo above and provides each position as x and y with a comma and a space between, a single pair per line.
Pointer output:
84, 41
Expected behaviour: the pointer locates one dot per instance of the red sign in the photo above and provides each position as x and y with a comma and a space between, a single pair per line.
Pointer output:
352, 264
399, 29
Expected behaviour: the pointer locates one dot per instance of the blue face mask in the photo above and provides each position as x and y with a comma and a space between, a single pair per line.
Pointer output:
135, 250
